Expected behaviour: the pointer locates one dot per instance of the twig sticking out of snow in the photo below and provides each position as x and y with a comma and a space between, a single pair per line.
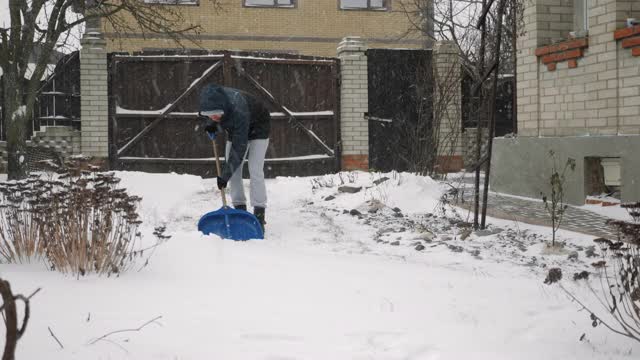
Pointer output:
55, 337
104, 337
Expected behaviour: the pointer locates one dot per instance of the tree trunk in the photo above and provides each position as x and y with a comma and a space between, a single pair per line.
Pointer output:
16, 119
11, 321
478, 98
493, 111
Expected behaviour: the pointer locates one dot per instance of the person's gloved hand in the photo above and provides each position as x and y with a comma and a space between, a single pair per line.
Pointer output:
221, 183
210, 127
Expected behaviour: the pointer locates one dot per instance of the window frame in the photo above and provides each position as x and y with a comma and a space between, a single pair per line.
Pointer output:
386, 4
581, 16
172, 2
294, 4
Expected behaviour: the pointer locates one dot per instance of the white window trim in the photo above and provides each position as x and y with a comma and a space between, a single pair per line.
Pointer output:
274, 5
173, 2
581, 17
386, 6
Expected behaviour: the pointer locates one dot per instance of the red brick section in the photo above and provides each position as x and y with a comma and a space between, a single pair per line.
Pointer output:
626, 32
569, 50
631, 42
355, 162
448, 164
563, 46
561, 56
630, 38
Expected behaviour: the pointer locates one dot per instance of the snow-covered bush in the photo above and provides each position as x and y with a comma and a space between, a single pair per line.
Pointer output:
81, 223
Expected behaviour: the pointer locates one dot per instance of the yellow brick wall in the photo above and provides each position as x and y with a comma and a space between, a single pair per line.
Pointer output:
313, 27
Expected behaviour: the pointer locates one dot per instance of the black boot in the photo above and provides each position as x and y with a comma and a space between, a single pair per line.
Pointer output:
240, 207
259, 213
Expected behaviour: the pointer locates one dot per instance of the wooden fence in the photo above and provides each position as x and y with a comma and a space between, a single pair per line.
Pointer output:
154, 99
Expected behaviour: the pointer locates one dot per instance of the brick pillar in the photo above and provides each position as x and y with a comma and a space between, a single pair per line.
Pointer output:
354, 103
448, 106
94, 104
527, 82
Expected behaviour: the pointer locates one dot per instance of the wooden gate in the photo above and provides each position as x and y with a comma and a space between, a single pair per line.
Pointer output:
154, 100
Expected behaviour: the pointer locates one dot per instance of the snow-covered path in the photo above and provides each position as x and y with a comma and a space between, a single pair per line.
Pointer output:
319, 287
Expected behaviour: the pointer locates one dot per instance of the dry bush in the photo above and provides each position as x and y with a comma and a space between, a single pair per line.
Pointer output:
79, 222
21, 214
92, 226
619, 271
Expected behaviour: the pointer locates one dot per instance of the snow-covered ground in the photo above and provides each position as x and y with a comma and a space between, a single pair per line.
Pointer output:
378, 274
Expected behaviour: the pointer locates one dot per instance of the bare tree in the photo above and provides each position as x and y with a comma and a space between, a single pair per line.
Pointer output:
14, 331
48, 25
484, 32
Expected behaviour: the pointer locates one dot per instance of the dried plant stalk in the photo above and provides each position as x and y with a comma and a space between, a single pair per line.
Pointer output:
79, 223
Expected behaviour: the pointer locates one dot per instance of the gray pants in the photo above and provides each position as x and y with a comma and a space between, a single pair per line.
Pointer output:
256, 152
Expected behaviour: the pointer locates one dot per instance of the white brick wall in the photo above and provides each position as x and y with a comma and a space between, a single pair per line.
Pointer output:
94, 112
448, 97
354, 97
598, 97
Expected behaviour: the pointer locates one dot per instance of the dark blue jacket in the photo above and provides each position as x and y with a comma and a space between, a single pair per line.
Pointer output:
245, 118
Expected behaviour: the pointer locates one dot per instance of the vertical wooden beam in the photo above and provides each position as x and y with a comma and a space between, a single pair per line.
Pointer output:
335, 90
227, 66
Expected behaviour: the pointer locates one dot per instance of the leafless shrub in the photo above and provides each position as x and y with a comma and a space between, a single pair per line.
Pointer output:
93, 226
619, 272
21, 215
79, 222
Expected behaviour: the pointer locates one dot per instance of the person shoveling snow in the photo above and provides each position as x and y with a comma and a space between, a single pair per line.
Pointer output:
247, 122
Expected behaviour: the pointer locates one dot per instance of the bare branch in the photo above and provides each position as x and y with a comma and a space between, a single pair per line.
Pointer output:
103, 337
55, 337
28, 297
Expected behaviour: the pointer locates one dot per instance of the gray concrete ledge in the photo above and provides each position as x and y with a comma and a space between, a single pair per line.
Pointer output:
522, 165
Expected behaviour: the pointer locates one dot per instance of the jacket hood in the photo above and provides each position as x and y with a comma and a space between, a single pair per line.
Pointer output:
212, 97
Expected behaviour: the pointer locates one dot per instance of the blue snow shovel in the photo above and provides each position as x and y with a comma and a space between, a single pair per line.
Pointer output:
228, 223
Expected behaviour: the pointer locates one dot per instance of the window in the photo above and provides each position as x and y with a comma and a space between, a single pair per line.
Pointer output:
581, 16
172, 2
270, 3
363, 4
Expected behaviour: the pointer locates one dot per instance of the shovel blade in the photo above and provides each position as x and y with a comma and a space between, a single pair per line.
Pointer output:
231, 224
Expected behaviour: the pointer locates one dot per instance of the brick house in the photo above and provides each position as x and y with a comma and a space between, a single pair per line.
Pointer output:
578, 84
296, 26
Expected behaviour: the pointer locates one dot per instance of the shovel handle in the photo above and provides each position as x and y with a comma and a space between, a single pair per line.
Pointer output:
215, 152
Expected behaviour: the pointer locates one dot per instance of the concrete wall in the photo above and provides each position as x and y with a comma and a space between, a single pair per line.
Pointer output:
311, 28
522, 166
